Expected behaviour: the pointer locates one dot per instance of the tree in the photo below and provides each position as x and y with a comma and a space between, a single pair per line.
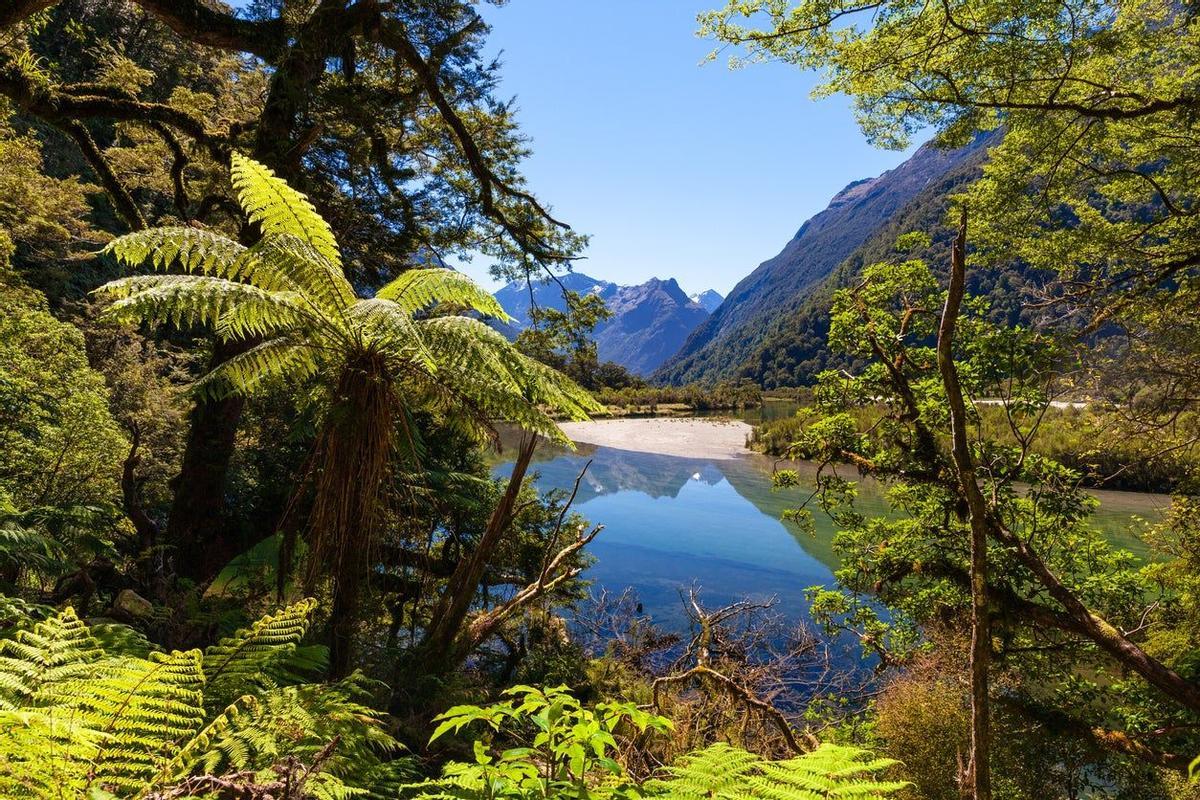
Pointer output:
383, 113
1065, 610
375, 360
61, 445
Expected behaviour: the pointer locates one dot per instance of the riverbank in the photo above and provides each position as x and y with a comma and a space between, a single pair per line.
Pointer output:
711, 438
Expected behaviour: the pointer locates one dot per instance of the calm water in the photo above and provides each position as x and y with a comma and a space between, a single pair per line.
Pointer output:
672, 523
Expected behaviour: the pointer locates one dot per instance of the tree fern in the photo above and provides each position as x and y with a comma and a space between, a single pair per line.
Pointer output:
380, 359
729, 773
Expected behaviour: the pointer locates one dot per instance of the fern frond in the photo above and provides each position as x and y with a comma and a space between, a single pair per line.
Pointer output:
42, 754
420, 289
187, 300
143, 707
547, 386
26, 547
245, 372
706, 773
483, 369
58, 650
194, 250
729, 773
294, 260
386, 327
299, 721
280, 209
252, 658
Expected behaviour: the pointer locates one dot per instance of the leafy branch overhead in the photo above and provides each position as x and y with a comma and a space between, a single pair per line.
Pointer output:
419, 72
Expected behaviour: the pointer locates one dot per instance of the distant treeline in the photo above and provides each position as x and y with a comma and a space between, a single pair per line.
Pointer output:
1094, 443
645, 399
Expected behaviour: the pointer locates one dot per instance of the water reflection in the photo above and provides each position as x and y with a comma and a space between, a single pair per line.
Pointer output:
672, 523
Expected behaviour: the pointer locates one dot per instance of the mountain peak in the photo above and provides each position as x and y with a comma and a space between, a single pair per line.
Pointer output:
649, 324
728, 341
709, 300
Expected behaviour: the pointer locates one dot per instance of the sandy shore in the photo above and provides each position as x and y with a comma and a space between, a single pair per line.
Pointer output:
694, 438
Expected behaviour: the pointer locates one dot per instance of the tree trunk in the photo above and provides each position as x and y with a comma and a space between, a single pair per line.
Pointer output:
452, 608
978, 769
354, 452
441, 647
199, 526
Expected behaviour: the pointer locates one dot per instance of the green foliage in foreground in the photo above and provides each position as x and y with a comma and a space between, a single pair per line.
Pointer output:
829, 771
83, 711
567, 750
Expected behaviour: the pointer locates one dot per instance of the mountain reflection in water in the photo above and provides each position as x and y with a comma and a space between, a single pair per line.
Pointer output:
671, 523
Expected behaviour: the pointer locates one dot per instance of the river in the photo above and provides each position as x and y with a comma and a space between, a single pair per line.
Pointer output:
676, 521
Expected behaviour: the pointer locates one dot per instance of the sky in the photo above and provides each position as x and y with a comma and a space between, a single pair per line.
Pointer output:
675, 169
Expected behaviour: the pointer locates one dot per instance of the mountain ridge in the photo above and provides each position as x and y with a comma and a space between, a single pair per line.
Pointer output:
721, 347
650, 320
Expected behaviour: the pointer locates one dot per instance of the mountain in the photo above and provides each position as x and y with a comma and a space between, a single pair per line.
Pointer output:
737, 337
649, 324
708, 300
516, 300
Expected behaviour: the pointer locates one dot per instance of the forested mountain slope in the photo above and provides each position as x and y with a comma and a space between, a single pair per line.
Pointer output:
745, 326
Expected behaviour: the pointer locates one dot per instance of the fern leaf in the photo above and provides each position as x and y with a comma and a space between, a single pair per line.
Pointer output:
386, 327
420, 289
193, 250
280, 209
245, 372
252, 658
143, 707
59, 649
295, 261
187, 300
830, 772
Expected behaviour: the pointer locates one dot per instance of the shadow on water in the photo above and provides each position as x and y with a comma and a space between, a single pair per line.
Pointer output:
672, 523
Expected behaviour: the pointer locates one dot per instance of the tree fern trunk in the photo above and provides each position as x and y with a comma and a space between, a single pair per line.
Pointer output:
354, 449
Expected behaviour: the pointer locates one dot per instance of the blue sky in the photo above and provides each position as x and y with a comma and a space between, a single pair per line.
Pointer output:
674, 168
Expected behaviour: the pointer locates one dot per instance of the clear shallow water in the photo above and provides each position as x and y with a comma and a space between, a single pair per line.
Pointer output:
672, 523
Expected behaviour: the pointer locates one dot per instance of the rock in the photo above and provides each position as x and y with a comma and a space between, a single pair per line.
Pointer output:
132, 604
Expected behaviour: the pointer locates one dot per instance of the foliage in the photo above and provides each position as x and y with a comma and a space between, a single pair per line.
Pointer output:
827, 772
61, 444
563, 339
890, 421
80, 717
570, 752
